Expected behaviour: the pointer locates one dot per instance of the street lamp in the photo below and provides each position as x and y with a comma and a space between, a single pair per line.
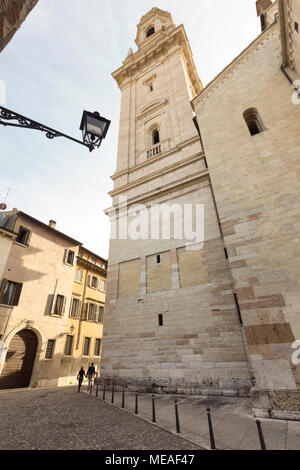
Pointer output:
94, 127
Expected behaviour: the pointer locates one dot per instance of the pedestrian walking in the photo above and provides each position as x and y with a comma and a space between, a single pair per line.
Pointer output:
80, 376
90, 375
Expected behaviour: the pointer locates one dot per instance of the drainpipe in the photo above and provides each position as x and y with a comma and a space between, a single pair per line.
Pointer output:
82, 309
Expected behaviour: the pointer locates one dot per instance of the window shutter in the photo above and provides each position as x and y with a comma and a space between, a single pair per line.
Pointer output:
28, 237
74, 259
98, 283
17, 293
3, 286
64, 305
78, 315
88, 311
53, 304
66, 256
89, 280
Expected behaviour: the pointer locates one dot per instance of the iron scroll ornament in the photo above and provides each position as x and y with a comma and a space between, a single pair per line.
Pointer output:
11, 118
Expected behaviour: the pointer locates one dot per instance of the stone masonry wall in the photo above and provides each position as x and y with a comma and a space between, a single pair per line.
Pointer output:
256, 185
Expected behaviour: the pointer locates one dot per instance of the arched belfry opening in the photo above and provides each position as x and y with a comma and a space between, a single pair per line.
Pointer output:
19, 361
155, 137
150, 32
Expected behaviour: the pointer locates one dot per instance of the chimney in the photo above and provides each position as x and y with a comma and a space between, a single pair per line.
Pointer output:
15, 209
262, 6
52, 223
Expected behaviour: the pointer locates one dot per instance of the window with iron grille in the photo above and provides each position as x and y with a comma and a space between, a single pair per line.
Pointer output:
68, 345
10, 292
86, 346
97, 347
50, 349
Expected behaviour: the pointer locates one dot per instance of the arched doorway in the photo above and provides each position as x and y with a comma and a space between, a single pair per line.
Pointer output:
17, 369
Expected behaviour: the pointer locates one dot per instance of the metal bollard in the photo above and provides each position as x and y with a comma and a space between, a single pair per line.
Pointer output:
177, 417
123, 398
97, 390
136, 404
153, 409
261, 436
211, 431
113, 394
103, 393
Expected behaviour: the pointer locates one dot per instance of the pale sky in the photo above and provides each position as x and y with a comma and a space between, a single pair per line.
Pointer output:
59, 63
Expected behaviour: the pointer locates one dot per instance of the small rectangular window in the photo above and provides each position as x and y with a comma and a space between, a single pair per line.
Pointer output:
86, 347
59, 305
93, 282
70, 257
79, 275
23, 236
97, 347
158, 261
10, 293
160, 320
50, 349
68, 345
100, 313
91, 312
75, 308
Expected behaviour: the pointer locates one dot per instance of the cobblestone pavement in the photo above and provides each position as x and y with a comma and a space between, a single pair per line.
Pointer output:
63, 419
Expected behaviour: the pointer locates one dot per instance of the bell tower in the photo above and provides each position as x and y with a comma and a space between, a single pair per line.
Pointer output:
157, 84
169, 310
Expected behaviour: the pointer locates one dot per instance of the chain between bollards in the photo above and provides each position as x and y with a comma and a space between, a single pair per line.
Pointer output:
153, 410
211, 431
261, 436
136, 404
177, 417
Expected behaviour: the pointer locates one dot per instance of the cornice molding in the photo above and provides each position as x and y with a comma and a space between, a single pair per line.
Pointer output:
155, 174
134, 64
167, 188
158, 157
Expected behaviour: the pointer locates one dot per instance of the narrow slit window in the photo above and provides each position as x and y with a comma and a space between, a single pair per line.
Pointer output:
158, 260
160, 320
253, 121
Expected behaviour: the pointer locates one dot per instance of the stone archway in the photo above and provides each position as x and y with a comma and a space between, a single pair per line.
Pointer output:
17, 369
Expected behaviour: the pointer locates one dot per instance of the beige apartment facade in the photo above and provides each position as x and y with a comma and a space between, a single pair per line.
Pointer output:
221, 320
85, 317
36, 295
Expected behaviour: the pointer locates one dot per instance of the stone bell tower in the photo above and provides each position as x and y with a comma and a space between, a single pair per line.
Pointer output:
170, 321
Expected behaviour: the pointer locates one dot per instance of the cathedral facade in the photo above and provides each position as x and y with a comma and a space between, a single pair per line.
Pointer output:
216, 315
